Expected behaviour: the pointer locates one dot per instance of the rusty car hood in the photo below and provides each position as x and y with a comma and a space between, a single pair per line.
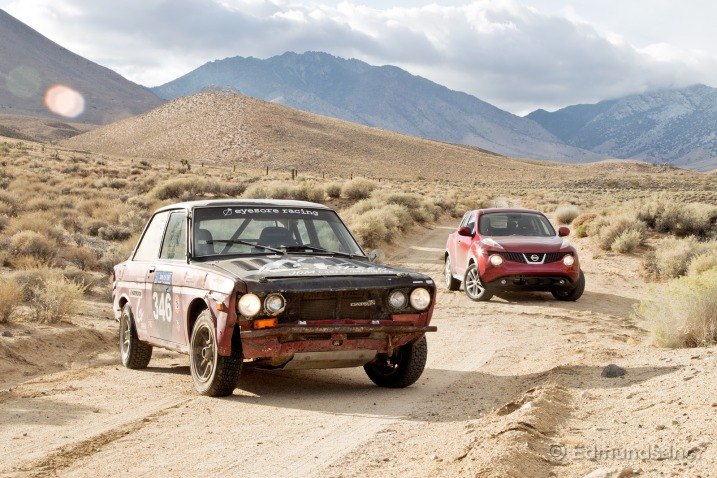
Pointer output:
309, 266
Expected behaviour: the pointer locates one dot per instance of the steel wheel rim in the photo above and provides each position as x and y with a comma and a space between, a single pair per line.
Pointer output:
447, 272
125, 336
203, 353
473, 284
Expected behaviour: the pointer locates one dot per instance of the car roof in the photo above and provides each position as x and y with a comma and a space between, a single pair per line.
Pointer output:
507, 210
188, 205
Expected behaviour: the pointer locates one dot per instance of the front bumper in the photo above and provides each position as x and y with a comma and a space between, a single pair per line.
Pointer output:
509, 269
288, 340
530, 283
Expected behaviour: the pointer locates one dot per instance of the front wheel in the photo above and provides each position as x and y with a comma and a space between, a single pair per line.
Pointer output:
571, 294
402, 368
213, 374
133, 353
451, 282
474, 288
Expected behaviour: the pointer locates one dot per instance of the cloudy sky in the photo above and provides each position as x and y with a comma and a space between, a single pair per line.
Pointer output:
518, 55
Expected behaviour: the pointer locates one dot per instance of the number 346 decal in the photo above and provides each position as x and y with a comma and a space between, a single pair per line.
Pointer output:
162, 303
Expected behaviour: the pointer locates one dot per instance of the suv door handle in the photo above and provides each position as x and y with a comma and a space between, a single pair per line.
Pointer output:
152, 269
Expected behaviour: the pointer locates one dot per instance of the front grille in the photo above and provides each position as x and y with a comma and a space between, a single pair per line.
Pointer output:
347, 305
520, 257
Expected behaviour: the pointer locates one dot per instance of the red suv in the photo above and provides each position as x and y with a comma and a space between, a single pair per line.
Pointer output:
497, 250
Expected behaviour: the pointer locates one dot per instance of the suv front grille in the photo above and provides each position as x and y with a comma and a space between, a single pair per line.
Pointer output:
520, 257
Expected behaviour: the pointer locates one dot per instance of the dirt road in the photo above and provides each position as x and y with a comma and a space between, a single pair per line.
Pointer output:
505, 383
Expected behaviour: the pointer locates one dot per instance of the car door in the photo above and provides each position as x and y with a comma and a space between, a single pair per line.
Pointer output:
463, 244
144, 262
168, 285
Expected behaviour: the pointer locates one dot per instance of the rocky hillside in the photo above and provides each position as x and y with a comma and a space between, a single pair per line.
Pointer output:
677, 126
31, 63
233, 129
385, 97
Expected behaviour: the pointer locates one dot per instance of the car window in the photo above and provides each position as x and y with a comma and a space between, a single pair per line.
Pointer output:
515, 224
175, 239
148, 247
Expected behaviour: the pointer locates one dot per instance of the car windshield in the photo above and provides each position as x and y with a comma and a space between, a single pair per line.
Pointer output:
515, 224
244, 230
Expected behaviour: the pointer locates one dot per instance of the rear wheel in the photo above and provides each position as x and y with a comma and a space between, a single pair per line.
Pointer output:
474, 288
133, 353
402, 368
571, 294
451, 282
213, 374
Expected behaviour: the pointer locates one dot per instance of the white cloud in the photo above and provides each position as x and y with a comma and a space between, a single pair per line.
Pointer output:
506, 53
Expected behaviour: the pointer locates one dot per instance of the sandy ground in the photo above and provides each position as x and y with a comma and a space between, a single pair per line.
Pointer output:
513, 387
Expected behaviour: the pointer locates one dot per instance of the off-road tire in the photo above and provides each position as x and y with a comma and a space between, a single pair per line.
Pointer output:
402, 369
572, 294
451, 282
134, 353
213, 374
475, 290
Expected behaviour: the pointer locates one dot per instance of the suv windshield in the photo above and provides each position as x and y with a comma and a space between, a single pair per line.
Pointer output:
515, 224
237, 230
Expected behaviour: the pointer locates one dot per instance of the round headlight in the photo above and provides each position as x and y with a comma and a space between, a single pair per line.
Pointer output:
496, 260
249, 305
397, 299
568, 260
420, 299
274, 304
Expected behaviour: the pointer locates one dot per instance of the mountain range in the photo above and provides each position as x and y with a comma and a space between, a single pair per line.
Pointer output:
381, 96
31, 63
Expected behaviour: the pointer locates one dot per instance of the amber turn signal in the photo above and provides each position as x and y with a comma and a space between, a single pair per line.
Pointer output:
221, 307
265, 323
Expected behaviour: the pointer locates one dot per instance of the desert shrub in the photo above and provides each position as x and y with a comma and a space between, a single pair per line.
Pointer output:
583, 219
369, 229
566, 213
3, 222
34, 244
358, 188
9, 202
82, 277
702, 263
628, 241
114, 233
683, 312
681, 219
303, 191
581, 230
93, 227
607, 229
233, 189
81, 257
183, 188
673, 256
333, 190
10, 297
57, 297
38, 221
114, 255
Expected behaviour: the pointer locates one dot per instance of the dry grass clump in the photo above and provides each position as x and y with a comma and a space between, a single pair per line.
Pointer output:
628, 241
51, 294
33, 244
683, 313
608, 229
583, 219
303, 191
358, 188
565, 214
183, 187
10, 298
673, 257
680, 219
333, 190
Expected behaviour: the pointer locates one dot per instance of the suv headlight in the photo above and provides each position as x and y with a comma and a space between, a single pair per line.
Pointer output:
274, 304
420, 298
249, 305
568, 260
496, 260
397, 299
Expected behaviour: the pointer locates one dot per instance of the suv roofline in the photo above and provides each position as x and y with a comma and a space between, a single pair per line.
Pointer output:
189, 205
491, 210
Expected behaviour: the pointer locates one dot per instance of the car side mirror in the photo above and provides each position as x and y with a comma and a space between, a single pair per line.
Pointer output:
465, 231
375, 255
563, 231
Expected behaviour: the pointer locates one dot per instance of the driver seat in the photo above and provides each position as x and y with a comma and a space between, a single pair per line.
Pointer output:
276, 237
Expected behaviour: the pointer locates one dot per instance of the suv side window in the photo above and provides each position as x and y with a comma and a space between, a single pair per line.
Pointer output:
148, 248
471, 224
175, 239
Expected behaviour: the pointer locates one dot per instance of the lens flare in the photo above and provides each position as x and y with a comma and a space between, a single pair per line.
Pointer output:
64, 101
